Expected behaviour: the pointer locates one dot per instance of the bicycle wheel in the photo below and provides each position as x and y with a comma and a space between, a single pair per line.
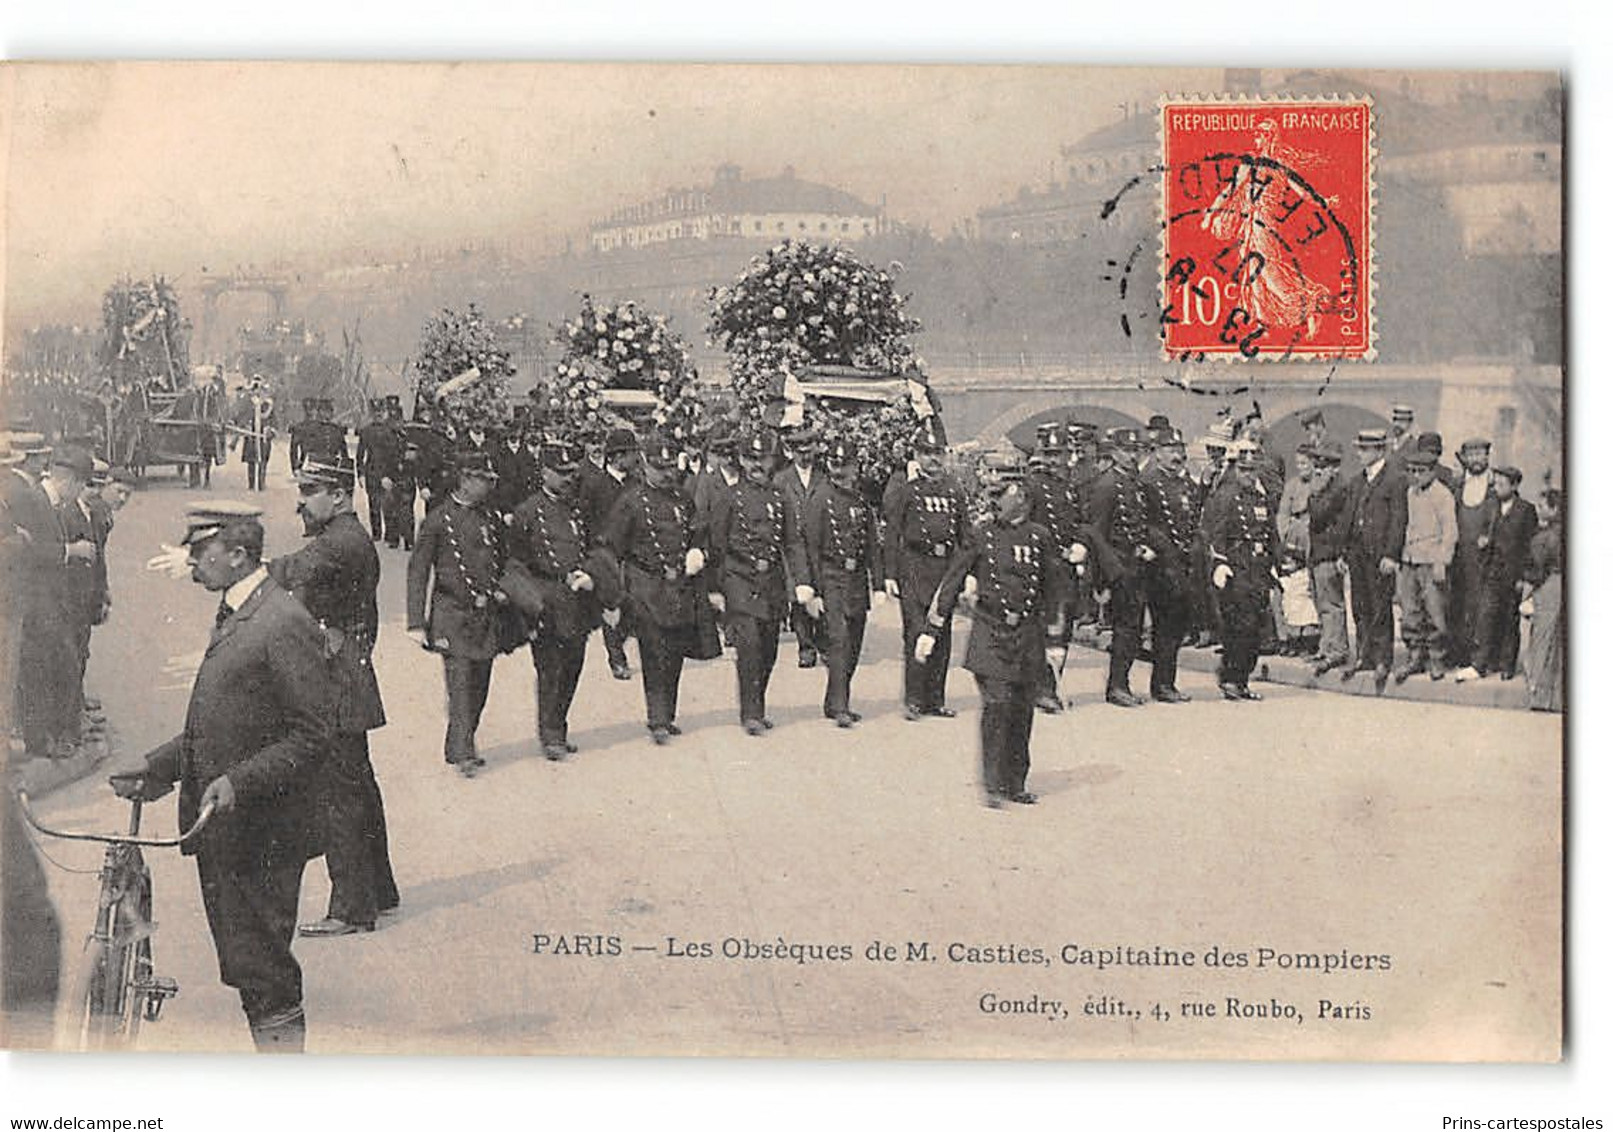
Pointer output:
80, 1022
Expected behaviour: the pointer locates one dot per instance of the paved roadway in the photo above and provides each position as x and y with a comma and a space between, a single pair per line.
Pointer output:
1311, 823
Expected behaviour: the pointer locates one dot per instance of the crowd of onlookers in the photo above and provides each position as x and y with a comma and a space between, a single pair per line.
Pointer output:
56, 514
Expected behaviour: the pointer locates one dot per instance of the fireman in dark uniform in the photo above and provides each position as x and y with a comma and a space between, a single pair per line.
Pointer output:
1019, 624
578, 585
926, 520
326, 440
652, 533
1170, 581
459, 559
301, 429
1118, 507
1240, 524
380, 452
599, 487
518, 459
335, 577
802, 481
755, 542
840, 531
1055, 505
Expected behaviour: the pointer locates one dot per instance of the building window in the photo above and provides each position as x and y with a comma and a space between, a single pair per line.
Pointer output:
845, 226
781, 225
823, 225
758, 225
801, 225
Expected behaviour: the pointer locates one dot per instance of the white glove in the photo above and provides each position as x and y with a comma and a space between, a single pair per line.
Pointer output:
1223, 573
892, 589
1526, 607
1077, 553
923, 647
971, 589
804, 594
1055, 656
1146, 553
718, 602
579, 580
173, 561
386, 483
425, 493
815, 608
694, 561
612, 617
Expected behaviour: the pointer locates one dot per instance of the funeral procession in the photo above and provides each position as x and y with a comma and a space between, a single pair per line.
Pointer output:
437, 629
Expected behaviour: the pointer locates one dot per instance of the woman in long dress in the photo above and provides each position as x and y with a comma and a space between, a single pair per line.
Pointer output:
1543, 665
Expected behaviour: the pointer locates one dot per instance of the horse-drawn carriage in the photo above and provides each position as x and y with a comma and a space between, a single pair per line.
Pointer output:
149, 426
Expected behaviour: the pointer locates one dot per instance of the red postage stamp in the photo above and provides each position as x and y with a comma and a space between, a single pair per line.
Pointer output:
1267, 246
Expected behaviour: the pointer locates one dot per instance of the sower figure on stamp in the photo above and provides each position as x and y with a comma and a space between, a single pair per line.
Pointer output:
335, 578
1240, 524
802, 481
1018, 629
459, 559
1119, 513
256, 735
1170, 579
599, 486
841, 533
926, 521
578, 588
1377, 537
652, 533
758, 563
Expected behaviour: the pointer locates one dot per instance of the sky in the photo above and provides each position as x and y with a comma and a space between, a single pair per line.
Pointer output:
135, 168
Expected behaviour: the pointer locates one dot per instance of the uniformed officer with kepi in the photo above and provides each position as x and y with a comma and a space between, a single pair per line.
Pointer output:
1240, 524
926, 521
840, 532
577, 586
653, 535
755, 542
1019, 623
335, 577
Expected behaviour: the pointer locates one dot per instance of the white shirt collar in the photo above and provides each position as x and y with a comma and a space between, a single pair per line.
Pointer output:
1374, 468
618, 476
52, 492
238, 594
730, 477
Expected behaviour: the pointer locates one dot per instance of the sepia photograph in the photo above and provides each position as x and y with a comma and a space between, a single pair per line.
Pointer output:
999, 562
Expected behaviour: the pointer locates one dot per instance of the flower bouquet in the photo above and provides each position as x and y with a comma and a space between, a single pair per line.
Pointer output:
145, 338
816, 336
620, 362
461, 371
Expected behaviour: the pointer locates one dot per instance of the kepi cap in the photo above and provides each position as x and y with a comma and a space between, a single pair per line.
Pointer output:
204, 520
338, 473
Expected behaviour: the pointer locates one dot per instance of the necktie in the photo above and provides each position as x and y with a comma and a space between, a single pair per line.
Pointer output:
223, 615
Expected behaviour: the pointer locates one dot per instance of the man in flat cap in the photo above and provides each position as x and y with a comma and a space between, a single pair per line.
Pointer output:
1119, 514
926, 521
1424, 563
459, 559
255, 738
1378, 535
1314, 422
1402, 435
653, 535
758, 571
1503, 562
1474, 491
335, 576
577, 584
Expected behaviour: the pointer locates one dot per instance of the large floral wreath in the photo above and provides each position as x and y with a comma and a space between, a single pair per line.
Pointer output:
805, 306
617, 358
462, 373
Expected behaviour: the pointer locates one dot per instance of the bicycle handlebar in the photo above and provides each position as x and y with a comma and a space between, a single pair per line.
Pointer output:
115, 838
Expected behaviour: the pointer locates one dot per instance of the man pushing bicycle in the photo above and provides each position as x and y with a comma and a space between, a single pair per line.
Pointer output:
254, 735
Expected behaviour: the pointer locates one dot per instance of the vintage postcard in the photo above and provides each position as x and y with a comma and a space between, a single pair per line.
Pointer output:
1034, 562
